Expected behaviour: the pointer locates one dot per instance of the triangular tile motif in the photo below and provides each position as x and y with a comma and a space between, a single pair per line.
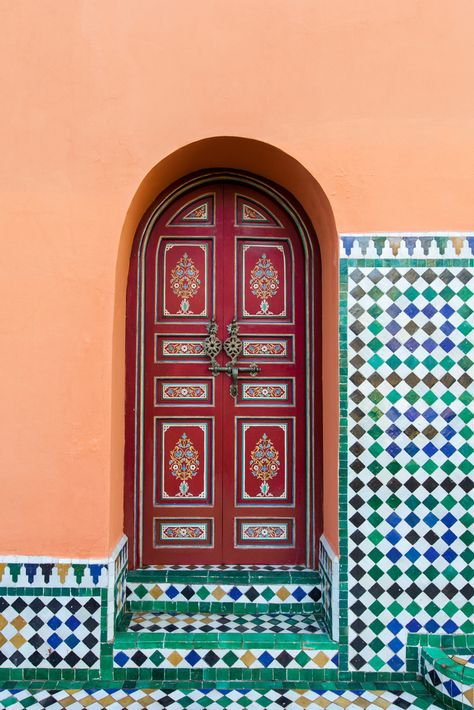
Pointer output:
249, 212
198, 212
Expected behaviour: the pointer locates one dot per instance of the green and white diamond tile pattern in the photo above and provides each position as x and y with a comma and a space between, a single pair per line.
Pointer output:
410, 446
136, 699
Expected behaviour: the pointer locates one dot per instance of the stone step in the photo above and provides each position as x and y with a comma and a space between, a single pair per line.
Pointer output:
224, 589
215, 647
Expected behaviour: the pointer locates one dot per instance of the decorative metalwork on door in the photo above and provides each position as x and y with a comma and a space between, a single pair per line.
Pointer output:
224, 382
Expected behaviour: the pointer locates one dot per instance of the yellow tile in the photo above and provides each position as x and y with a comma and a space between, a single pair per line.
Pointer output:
218, 593
3, 640
62, 569
2, 570
469, 695
174, 658
19, 623
362, 702
342, 702
248, 658
283, 593
320, 659
156, 591
322, 702
303, 702
461, 661
17, 640
3, 622
86, 700
381, 703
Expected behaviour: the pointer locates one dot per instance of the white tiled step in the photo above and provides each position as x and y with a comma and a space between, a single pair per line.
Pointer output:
241, 641
223, 623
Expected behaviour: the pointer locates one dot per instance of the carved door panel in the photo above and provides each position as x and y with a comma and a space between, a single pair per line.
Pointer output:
224, 452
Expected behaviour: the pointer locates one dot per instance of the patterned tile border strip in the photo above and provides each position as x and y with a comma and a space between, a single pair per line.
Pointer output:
450, 681
329, 570
36, 571
223, 593
343, 472
271, 699
406, 245
227, 658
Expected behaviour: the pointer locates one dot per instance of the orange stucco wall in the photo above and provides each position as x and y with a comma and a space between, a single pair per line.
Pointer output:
372, 101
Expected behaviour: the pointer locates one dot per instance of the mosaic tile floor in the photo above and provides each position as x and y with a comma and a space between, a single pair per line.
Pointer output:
239, 623
135, 699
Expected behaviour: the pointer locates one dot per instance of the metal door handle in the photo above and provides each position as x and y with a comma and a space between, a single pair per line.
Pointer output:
233, 347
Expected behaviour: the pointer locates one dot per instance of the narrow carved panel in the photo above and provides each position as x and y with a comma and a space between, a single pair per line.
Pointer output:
183, 532
271, 349
184, 392
176, 349
264, 532
262, 392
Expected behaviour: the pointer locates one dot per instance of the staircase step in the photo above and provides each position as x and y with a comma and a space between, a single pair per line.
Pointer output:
215, 647
234, 630
224, 589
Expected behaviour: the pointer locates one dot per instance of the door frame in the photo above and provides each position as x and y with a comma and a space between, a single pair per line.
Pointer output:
134, 356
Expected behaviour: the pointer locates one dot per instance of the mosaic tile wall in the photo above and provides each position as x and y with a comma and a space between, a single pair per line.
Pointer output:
329, 571
407, 363
56, 616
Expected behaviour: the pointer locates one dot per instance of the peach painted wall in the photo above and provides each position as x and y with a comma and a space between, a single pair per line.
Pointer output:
373, 98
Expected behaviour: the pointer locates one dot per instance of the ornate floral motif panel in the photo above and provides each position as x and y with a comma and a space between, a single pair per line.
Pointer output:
264, 280
265, 462
183, 462
184, 286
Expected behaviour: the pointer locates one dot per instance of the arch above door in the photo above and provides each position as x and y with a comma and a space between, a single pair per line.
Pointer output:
212, 476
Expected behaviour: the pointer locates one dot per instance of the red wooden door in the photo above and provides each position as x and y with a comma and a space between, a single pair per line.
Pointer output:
224, 476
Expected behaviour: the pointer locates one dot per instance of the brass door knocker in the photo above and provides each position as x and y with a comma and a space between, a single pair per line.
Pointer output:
233, 347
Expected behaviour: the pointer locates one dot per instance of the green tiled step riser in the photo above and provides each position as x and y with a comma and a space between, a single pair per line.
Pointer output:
76, 678
187, 641
223, 576
208, 677
224, 608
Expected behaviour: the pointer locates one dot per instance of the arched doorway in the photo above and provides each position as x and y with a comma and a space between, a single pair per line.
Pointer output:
223, 376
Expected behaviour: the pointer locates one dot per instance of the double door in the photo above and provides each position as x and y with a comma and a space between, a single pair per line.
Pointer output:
224, 450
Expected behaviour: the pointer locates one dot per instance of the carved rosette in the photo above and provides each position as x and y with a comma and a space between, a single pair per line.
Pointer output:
184, 464
264, 283
184, 281
264, 464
